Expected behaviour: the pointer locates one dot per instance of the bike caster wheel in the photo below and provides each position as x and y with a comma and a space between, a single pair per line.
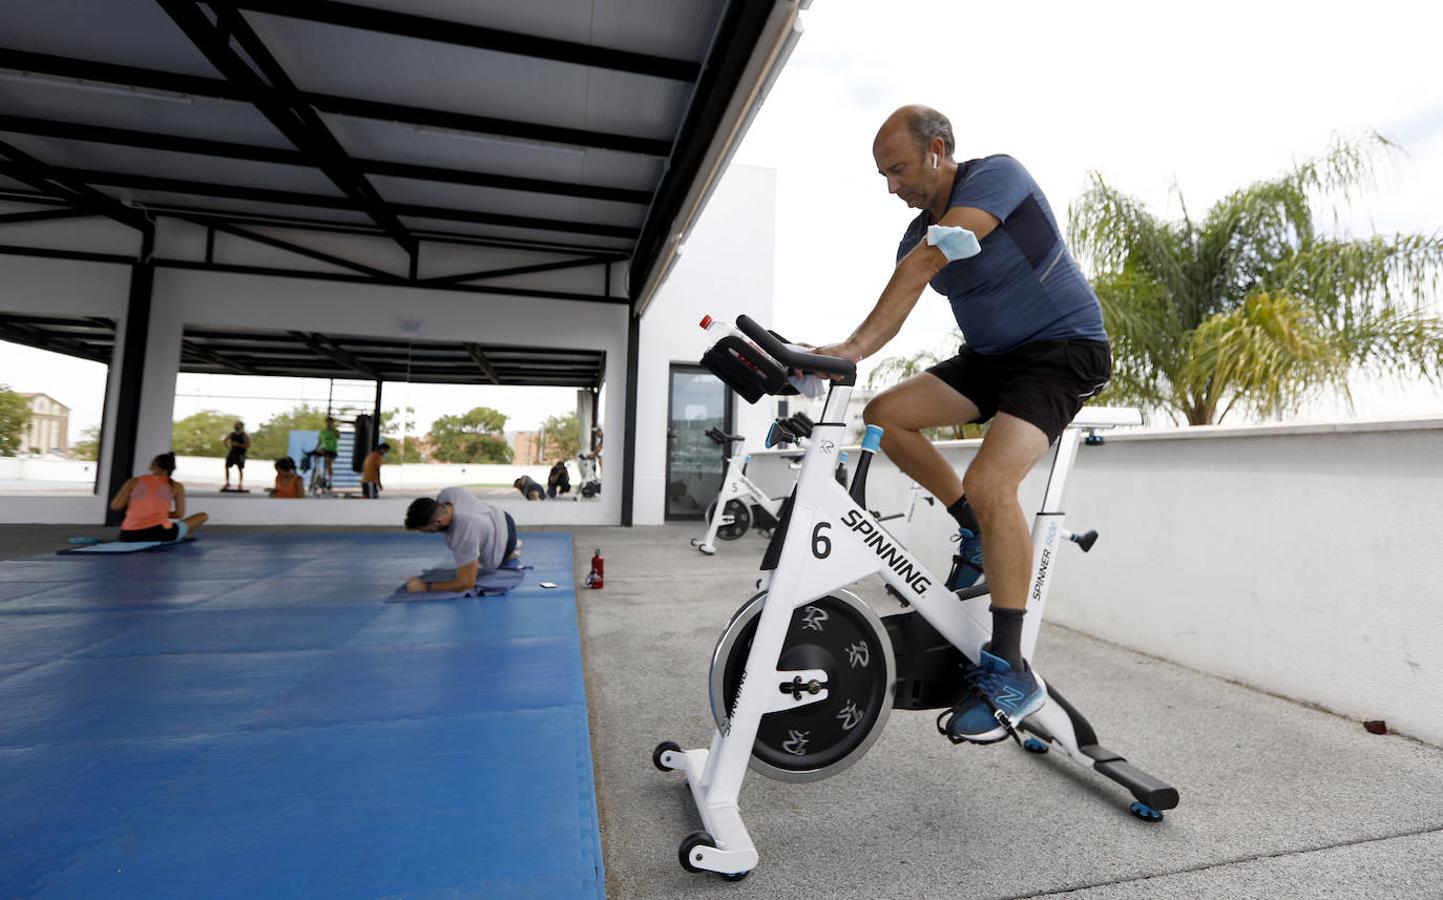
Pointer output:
1145, 812
706, 549
664, 747
1033, 745
701, 839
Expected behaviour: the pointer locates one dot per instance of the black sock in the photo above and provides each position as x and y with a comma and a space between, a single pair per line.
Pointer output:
962, 512
1007, 635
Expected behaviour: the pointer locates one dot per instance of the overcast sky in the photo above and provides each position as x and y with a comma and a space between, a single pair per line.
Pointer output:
1209, 97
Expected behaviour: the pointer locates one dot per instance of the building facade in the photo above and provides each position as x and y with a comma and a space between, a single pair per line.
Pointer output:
49, 428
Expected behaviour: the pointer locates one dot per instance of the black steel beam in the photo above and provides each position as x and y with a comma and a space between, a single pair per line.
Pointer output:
126, 425
41, 215
233, 366
628, 450
220, 89
516, 270
741, 26
40, 339
271, 92
44, 177
318, 201
297, 249
477, 37
335, 353
478, 356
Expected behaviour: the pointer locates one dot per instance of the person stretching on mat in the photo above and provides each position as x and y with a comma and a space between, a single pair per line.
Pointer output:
154, 505
1035, 351
237, 444
480, 536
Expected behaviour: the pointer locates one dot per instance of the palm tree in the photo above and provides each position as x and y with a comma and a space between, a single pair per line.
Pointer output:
1252, 308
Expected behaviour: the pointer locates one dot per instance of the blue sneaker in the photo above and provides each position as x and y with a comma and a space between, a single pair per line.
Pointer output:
967, 561
998, 702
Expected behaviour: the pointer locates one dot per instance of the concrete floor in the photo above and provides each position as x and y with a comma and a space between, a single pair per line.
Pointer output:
1278, 800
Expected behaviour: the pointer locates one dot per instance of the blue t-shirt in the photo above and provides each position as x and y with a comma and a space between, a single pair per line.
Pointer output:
1024, 286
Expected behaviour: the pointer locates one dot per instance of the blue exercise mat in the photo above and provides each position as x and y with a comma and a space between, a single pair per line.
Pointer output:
253, 723
114, 547
488, 584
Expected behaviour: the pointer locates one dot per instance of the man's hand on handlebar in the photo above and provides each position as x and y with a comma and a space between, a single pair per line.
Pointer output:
845, 350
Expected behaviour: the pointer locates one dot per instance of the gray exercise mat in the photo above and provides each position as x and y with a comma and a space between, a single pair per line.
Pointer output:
488, 584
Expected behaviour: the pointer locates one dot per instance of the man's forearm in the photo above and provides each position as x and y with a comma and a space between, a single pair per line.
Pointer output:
903, 290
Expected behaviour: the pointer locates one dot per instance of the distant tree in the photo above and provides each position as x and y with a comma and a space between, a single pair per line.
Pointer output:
271, 440
473, 437
88, 447
1252, 306
200, 434
560, 437
14, 418
404, 448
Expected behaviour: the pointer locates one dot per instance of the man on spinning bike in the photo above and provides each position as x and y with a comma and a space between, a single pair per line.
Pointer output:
1035, 350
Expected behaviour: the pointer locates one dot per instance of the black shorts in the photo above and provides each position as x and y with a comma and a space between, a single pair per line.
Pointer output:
236, 457
510, 538
153, 533
1044, 383
328, 454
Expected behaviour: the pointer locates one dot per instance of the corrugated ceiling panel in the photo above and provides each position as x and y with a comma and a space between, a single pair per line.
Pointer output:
126, 32
371, 139
133, 160
587, 241
166, 198
343, 61
220, 120
516, 203
659, 27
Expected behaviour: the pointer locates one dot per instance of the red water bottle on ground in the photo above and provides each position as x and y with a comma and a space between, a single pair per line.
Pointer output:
594, 578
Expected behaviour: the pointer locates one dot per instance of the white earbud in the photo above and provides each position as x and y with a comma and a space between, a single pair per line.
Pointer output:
934, 160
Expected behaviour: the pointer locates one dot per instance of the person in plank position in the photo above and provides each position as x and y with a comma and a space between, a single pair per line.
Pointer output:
985, 238
480, 536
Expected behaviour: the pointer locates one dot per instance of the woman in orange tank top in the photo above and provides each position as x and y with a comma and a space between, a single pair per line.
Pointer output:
154, 505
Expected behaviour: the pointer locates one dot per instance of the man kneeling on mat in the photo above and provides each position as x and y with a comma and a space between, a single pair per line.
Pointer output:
154, 505
480, 537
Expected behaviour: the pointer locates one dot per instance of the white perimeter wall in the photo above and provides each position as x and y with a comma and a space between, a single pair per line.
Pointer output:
1300, 560
725, 270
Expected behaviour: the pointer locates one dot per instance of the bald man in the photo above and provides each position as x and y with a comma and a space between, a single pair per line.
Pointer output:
985, 238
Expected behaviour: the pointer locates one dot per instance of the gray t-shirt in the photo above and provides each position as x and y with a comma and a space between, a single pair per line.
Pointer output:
477, 531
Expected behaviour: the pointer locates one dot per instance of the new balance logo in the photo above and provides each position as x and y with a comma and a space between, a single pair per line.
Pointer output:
1009, 699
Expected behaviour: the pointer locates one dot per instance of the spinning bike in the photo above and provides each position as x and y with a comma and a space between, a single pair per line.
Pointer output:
805, 674
746, 504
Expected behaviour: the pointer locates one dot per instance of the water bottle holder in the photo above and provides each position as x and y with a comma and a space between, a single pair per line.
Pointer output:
745, 369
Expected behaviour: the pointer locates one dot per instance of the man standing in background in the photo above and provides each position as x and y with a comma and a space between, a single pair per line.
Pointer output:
237, 443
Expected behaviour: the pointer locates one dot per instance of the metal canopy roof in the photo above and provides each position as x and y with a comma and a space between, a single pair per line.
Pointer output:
579, 129
306, 354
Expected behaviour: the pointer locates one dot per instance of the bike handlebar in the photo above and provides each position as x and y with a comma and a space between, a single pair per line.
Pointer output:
793, 359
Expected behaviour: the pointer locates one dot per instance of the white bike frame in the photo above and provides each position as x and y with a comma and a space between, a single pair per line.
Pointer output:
736, 486
830, 543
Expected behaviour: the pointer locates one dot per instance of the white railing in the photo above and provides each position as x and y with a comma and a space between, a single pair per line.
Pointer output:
1301, 560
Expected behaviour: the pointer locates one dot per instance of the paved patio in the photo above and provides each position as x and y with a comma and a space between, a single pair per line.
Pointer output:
1278, 800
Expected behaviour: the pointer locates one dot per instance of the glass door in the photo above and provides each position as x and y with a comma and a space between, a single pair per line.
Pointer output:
697, 401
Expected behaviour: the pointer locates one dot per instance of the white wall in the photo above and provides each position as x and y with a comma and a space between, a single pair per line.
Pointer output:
725, 270
216, 299
1300, 560
36, 286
